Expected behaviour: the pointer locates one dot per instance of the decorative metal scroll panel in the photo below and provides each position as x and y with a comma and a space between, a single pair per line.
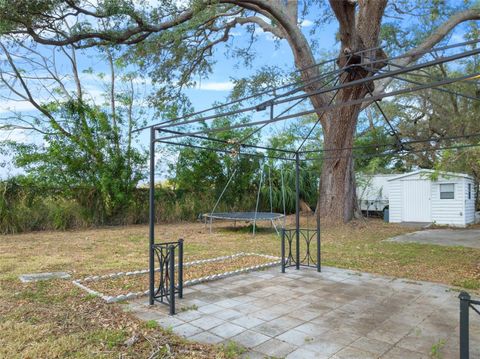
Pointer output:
170, 276
305, 253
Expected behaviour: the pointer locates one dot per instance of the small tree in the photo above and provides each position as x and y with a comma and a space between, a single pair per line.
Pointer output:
207, 172
82, 145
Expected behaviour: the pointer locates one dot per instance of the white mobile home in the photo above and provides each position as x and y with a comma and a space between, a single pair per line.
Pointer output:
372, 192
446, 198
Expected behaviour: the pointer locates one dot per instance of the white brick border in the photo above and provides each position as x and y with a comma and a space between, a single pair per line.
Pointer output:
128, 296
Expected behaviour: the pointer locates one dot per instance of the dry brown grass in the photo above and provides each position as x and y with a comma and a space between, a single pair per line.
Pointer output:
139, 283
56, 320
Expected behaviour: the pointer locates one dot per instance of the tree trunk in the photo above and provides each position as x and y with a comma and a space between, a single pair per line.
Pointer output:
358, 30
337, 201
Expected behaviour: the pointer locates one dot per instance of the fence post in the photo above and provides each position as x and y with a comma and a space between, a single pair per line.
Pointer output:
180, 268
171, 254
151, 218
297, 209
318, 239
464, 325
283, 250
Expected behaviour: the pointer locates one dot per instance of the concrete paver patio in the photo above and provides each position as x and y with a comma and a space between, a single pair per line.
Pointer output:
336, 314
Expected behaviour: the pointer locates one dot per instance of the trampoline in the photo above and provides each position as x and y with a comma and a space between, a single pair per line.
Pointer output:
244, 216
250, 216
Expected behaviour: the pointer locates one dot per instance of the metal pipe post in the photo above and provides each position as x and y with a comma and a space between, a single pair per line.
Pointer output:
319, 258
171, 274
464, 325
283, 250
297, 208
258, 198
180, 268
283, 199
152, 216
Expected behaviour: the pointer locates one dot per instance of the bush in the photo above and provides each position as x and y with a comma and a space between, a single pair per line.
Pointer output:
26, 207
64, 214
30, 209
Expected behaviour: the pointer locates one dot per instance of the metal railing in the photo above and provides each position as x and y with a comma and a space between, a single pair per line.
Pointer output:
166, 287
466, 303
297, 248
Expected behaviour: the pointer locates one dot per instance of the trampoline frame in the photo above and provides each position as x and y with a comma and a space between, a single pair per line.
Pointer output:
237, 216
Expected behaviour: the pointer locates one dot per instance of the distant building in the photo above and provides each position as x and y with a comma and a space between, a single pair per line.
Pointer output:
372, 192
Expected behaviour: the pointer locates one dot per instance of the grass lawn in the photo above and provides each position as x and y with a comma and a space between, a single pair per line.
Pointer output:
56, 320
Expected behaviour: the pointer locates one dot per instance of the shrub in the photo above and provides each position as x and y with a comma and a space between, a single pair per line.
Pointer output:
28, 207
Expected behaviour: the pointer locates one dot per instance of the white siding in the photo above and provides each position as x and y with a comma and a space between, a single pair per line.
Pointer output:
416, 200
448, 211
395, 201
459, 211
469, 203
373, 188
372, 192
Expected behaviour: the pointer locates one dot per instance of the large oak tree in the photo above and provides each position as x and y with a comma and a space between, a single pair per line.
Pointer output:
185, 35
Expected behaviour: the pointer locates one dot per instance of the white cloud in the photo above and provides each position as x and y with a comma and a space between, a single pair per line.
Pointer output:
458, 37
15, 106
17, 135
306, 23
182, 4
267, 35
215, 86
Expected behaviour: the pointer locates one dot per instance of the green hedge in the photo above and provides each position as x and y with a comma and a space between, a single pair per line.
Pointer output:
24, 209
27, 206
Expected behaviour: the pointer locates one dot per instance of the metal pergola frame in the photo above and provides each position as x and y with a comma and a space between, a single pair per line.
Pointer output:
241, 147
154, 140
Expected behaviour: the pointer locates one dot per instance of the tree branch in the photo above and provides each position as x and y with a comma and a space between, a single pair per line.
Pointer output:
128, 36
29, 95
430, 42
277, 31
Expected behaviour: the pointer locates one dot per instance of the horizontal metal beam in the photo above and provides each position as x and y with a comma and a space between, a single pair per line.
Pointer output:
273, 89
338, 87
386, 74
185, 134
223, 150
255, 107
330, 107
393, 152
455, 93
423, 52
409, 142
389, 153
